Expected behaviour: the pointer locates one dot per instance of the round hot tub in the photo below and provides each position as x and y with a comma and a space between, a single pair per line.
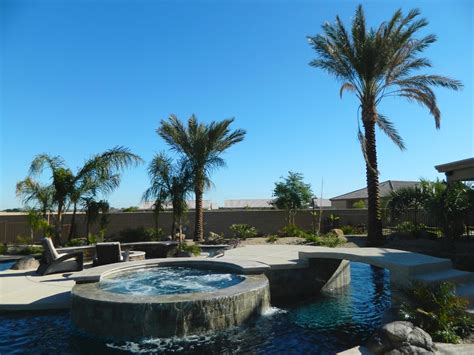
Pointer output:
168, 300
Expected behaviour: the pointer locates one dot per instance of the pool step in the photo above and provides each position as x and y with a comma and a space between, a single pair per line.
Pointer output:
450, 275
430, 267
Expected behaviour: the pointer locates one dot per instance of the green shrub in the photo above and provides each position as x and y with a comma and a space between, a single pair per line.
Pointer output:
30, 250
76, 242
23, 240
330, 240
130, 209
359, 204
293, 231
272, 238
3, 249
348, 229
140, 234
437, 310
99, 238
153, 235
243, 231
410, 229
188, 248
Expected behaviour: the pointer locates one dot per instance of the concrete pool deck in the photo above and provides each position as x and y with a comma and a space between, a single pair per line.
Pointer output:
20, 290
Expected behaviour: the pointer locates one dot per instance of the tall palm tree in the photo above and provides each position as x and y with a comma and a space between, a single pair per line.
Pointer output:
99, 174
170, 182
375, 64
202, 145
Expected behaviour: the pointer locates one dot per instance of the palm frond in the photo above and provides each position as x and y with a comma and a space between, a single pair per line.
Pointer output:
347, 87
387, 127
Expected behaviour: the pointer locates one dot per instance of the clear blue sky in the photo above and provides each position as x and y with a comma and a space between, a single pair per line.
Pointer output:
79, 77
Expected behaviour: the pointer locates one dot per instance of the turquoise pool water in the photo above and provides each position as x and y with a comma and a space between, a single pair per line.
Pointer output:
325, 325
5, 265
168, 280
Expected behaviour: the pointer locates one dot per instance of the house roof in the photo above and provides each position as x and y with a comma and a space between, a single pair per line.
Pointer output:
458, 170
322, 202
248, 203
190, 204
384, 187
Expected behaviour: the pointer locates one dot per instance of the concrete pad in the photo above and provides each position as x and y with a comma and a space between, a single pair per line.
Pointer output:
24, 290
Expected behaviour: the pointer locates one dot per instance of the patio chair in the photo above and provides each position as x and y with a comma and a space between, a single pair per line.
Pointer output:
109, 253
52, 262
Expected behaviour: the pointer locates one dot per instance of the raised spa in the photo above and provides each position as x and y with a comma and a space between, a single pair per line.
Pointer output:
166, 280
168, 300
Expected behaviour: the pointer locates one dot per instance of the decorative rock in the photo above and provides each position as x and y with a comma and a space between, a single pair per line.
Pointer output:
400, 337
418, 337
397, 332
27, 263
378, 343
339, 233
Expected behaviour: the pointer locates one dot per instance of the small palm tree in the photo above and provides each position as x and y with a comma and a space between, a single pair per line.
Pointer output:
32, 191
93, 210
170, 182
99, 175
375, 64
202, 145
405, 199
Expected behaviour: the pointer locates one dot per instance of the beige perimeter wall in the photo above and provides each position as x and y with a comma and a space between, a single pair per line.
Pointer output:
217, 221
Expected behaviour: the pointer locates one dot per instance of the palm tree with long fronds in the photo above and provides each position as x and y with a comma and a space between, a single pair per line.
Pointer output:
375, 64
62, 182
99, 174
170, 182
405, 199
39, 195
202, 145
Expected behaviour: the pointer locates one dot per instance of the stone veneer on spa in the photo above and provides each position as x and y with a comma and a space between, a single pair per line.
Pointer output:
133, 316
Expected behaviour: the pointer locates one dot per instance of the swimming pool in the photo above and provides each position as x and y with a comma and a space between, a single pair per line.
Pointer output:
325, 325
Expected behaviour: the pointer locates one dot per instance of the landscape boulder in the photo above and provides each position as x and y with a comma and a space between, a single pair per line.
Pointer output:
400, 337
27, 263
339, 234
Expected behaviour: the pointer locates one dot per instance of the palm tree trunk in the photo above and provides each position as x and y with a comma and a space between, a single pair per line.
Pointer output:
173, 223
199, 221
374, 229
59, 225
156, 215
72, 230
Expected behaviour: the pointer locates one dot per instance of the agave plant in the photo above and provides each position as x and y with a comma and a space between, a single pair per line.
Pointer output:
374, 64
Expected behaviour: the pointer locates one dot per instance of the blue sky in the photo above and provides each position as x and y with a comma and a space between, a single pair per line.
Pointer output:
79, 77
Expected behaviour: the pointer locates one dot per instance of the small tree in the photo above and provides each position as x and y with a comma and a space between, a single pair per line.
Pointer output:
448, 204
292, 194
359, 204
93, 210
408, 198
171, 182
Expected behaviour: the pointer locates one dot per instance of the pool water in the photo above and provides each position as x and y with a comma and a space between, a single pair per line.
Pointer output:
327, 324
168, 280
5, 265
